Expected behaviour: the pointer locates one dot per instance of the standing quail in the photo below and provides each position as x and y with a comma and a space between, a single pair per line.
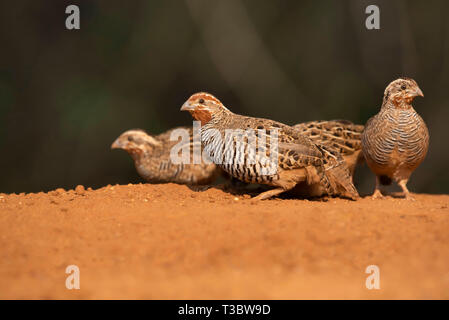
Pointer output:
152, 159
342, 135
244, 148
395, 141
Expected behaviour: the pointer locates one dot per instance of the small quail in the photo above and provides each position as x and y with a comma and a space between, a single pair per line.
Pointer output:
267, 152
152, 159
395, 141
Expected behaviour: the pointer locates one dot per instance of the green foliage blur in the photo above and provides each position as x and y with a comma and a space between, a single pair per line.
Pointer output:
65, 95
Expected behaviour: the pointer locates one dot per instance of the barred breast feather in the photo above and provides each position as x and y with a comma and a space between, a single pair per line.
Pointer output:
395, 142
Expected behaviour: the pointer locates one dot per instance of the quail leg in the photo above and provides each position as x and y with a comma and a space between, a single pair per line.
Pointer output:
268, 194
377, 193
403, 185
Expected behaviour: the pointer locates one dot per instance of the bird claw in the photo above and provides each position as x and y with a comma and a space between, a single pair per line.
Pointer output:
409, 197
377, 195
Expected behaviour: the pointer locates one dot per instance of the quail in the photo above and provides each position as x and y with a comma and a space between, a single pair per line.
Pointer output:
342, 135
395, 141
152, 158
264, 151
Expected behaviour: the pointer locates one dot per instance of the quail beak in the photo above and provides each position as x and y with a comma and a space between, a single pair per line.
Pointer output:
187, 106
418, 92
116, 144
413, 94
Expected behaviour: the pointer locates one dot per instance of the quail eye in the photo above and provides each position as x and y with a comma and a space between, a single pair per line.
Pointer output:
130, 138
201, 100
403, 87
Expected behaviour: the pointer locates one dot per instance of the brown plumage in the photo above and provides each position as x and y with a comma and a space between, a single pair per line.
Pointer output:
341, 135
245, 148
154, 163
395, 141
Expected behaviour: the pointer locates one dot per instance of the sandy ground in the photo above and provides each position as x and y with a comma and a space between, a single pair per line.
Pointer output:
170, 242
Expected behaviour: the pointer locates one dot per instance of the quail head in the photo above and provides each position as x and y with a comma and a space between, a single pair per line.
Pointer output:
152, 158
267, 152
395, 141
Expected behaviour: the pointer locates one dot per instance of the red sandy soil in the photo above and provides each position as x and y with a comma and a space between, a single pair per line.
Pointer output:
170, 242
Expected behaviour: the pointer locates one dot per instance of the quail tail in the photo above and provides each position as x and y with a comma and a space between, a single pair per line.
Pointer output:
337, 174
340, 176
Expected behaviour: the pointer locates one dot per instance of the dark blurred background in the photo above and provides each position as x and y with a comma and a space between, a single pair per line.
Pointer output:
65, 95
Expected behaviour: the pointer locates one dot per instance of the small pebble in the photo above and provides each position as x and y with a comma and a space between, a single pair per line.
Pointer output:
80, 190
